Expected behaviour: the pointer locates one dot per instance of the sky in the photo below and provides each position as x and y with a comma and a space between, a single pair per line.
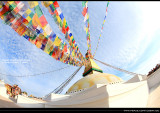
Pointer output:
130, 40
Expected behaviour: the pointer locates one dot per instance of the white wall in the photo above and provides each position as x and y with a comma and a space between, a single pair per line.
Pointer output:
136, 78
29, 102
3, 89
154, 80
54, 97
87, 98
117, 95
128, 95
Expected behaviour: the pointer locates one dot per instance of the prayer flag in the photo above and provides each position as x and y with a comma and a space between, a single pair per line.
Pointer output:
38, 11
84, 11
43, 21
56, 4
57, 41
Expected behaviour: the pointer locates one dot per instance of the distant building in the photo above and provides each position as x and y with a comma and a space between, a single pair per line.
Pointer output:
16, 90
24, 93
12, 91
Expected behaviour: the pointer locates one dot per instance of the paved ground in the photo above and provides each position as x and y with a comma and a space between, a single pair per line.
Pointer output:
6, 103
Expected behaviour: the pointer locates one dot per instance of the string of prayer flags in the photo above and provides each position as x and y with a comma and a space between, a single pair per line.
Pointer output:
86, 27
37, 9
58, 19
101, 28
55, 10
18, 23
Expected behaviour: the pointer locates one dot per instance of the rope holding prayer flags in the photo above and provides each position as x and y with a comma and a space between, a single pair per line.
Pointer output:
20, 19
55, 10
86, 27
101, 28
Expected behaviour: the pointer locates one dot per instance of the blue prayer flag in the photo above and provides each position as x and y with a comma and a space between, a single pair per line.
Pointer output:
61, 16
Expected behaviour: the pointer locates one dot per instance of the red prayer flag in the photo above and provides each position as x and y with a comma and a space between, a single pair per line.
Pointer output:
63, 30
56, 12
4, 10
25, 21
84, 11
43, 21
65, 48
53, 54
17, 2
44, 41
16, 10
67, 29
68, 37
56, 4
62, 54
18, 22
36, 42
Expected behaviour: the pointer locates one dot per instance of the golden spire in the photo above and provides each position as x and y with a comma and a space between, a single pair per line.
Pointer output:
91, 67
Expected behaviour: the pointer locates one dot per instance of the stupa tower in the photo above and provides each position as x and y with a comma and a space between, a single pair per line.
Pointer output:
92, 75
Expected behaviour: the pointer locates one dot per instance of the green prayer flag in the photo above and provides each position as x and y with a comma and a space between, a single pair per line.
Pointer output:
13, 5
38, 11
51, 53
66, 25
61, 24
83, 3
88, 20
31, 15
30, 22
53, 7
54, 17
32, 37
107, 4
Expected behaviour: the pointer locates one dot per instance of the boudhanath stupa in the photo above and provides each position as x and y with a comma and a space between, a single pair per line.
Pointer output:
95, 89
100, 90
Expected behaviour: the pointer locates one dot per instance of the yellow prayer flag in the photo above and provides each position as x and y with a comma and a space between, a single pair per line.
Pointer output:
39, 44
87, 16
36, 21
49, 46
10, 2
35, 3
2, 17
41, 36
73, 54
0, 6
47, 3
50, 2
28, 11
57, 41
64, 22
45, 34
71, 37
58, 19
86, 30
73, 45
32, 4
28, 18
104, 21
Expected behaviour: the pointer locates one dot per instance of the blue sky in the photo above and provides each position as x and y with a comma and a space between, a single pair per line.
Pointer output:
130, 40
